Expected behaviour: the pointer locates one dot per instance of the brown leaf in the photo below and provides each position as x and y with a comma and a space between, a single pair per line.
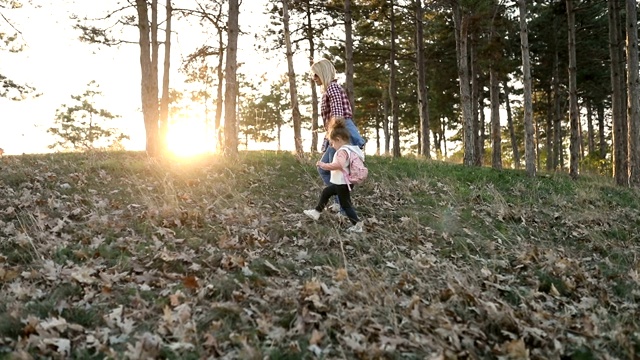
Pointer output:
316, 337
341, 274
7, 275
174, 299
190, 282
516, 349
446, 294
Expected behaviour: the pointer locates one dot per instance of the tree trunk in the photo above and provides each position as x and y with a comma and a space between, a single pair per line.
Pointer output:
512, 131
476, 108
618, 102
423, 99
164, 102
496, 139
348, 55
529, 153
231, 85
279, 136
461, 29
549, 129
393, 91
557, 121
591, 143
633, 91
377, 131
293, 90
385, 121
314, 93
155, 46
437, 143
602, 143
444, 139
148, 82
219, 104
482, 129
574, 144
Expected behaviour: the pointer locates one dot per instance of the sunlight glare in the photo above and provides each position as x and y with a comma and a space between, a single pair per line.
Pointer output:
189, 138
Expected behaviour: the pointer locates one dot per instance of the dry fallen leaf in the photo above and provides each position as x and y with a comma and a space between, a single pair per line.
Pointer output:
316, 337
190, 282
516, 350
340, 275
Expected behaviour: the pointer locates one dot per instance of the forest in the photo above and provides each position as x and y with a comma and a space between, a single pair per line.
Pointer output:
544, 85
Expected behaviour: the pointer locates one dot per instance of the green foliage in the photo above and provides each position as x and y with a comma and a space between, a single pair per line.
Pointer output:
593, 163
262, 116
79, 126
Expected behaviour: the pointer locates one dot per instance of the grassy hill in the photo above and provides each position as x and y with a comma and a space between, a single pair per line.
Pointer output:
117, 256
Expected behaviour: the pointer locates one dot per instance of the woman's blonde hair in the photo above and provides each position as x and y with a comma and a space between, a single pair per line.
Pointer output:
325, 71
338, 130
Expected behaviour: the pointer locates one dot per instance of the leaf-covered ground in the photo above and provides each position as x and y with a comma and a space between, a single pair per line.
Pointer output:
117, 256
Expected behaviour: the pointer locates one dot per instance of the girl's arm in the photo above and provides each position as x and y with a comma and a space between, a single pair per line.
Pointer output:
338, 163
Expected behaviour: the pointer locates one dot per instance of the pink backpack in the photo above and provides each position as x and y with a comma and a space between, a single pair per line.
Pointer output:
358, 172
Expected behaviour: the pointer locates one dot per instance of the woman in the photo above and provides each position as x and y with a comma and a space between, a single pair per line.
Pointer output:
334, 105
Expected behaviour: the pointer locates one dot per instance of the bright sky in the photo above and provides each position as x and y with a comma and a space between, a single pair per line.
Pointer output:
59, 65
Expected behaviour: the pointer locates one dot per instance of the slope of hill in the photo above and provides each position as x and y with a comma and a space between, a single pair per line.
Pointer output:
114, 255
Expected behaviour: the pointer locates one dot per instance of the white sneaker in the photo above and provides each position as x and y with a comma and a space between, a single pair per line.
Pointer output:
334, 207
313, 213
357, 228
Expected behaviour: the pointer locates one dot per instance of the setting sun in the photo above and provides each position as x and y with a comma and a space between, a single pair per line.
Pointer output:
190, 137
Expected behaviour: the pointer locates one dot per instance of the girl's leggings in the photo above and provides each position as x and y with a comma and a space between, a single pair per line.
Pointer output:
344, 196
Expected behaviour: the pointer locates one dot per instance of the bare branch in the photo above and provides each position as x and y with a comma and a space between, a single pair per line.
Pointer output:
10, 24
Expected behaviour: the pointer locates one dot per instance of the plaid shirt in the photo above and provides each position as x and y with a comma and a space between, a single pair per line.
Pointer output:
335, 103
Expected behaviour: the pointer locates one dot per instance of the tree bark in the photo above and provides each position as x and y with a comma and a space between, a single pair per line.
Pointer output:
512, 131
348, 54
476, 107
574, 141
557, 121
461, 29
549, 129
423, 99
496, 138
149, 81
393, 87
618, 100
529, 152
231, 85
591, 141
314, 93
602, 143
385, 120
219, 99
164, 102
633, 91
293, 91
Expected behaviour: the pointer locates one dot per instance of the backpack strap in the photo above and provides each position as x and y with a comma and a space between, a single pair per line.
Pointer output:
344, 172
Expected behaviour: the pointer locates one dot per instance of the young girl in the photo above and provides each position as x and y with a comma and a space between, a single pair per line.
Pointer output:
334, 105
339, 139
